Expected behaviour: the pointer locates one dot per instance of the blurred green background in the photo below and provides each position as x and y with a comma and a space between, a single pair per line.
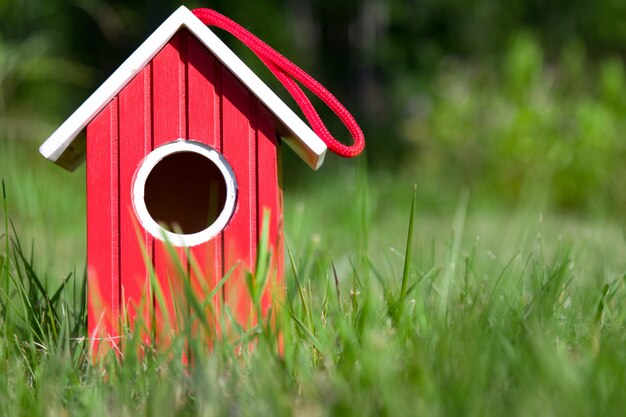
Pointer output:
518, 102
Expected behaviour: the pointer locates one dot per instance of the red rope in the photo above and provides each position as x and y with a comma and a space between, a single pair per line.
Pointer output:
287, 72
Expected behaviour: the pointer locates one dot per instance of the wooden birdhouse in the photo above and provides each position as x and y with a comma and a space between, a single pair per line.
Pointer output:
182, 146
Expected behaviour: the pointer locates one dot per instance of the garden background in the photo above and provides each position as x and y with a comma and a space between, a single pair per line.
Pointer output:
508, 120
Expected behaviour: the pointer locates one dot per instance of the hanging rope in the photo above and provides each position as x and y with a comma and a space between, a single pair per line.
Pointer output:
288, 73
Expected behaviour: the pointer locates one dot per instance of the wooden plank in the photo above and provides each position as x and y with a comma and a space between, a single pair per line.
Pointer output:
239, 148
270, 198
135, 136
102, 230
169, 123
203, 112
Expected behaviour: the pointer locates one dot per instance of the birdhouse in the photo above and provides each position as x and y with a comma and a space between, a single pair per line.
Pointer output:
183, 159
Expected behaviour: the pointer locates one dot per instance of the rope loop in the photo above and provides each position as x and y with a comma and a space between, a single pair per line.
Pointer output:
288, 73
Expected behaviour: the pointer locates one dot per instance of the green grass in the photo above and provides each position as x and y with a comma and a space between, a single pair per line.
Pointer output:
496, 286
47, 206
391, 309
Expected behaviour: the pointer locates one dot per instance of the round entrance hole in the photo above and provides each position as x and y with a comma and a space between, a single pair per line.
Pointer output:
184, 192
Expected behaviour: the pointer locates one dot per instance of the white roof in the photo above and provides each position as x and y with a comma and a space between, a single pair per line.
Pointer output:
64, 149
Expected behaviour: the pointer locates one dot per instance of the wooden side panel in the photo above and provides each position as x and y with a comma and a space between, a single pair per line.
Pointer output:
135, 135
169, 123
184, 93
103, 229
204, 122
270, 199
239, 146
249, 143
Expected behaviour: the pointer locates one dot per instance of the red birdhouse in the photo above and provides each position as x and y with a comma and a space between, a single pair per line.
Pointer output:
182, 146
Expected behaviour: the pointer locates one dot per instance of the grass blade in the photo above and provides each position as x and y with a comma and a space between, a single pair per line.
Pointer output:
409, 249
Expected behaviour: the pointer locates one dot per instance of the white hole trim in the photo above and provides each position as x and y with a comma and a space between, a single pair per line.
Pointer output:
139, 184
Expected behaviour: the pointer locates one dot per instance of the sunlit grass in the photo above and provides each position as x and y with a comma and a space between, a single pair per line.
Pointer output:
47, 206
482, 313
483, 273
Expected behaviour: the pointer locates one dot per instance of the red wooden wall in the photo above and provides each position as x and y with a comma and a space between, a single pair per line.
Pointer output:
183, 93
